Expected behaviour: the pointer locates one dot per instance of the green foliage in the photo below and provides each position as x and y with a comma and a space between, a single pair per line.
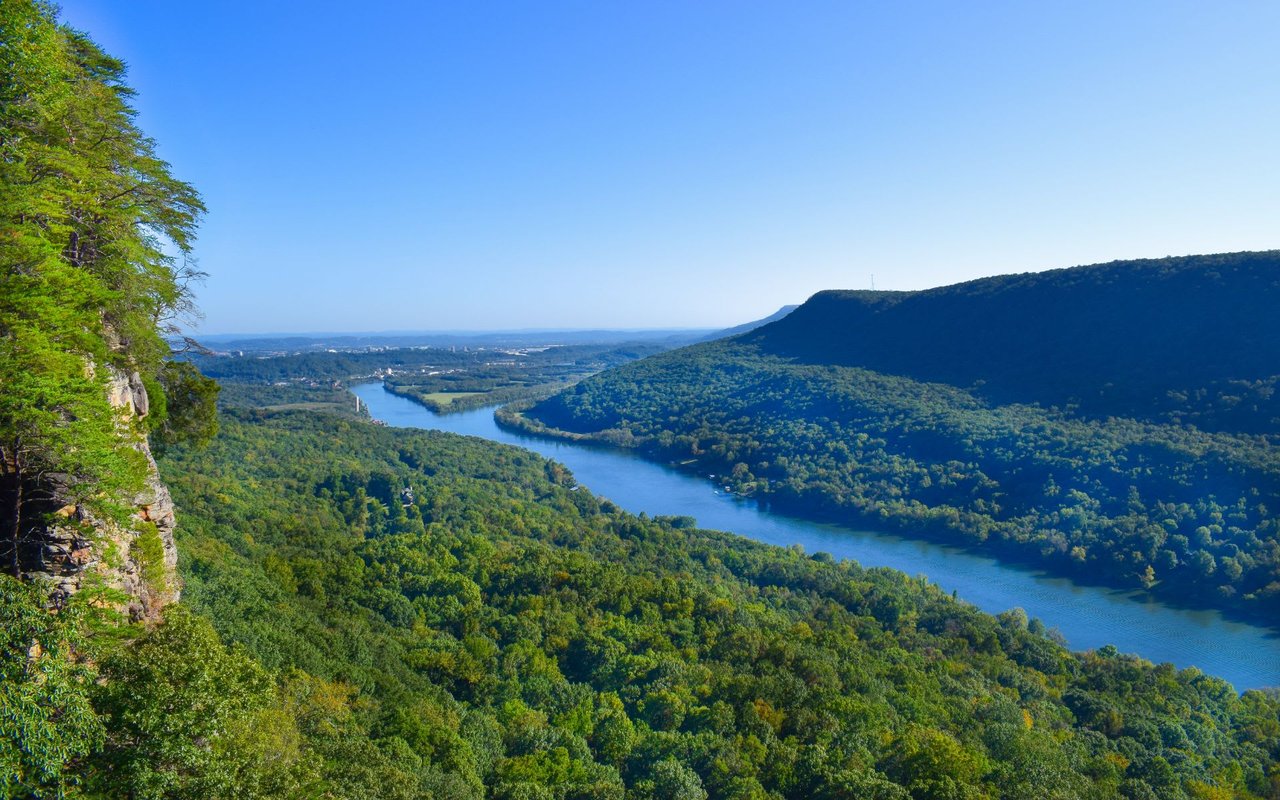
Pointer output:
1137, 504
187, 717
147, 550
291, 397
1188, 340
190, 412
88, 217
374, 614
493, 633
501, 631
47, 724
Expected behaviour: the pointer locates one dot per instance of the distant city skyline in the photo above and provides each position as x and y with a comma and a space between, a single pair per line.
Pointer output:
448, 166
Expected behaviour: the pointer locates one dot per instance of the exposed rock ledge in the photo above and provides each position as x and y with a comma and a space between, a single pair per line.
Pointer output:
140, 560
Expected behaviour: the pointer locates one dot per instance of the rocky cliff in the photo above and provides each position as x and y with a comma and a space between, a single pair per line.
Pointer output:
75, 550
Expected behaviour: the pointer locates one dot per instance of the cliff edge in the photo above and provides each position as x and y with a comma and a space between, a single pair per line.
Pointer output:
68, 548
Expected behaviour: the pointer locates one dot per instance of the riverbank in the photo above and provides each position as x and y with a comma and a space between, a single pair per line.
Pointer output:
458, 402
816, 507
1088, 617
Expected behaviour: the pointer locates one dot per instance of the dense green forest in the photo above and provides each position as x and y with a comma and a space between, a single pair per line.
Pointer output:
312, 396
374, 613
1149, 503
1186, 340
415, 614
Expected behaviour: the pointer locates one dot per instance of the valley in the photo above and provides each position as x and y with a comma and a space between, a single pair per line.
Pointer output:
1174, 500
1086, 617
534, 514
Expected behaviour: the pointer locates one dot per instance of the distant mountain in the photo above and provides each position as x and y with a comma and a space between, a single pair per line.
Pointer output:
1133, 338
747, 327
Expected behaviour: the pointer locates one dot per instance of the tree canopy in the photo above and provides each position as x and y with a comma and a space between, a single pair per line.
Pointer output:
95, 263
1151, 505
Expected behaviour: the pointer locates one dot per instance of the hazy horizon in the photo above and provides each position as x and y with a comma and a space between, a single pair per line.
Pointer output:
446, 167
446, 332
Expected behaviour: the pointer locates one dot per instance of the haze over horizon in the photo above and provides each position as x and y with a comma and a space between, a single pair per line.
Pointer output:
574, 166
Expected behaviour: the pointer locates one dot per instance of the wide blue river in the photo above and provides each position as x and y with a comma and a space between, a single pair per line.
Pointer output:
1089, 617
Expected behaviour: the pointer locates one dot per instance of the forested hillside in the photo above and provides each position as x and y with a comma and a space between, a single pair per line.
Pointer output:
371, 612
1193, 339
1140, 502
441, 614
375, 613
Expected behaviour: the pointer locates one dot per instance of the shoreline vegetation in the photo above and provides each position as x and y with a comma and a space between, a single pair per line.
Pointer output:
1078, 540
513, 418
1121, 437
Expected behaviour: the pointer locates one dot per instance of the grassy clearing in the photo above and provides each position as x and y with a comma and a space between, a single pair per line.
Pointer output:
446, 398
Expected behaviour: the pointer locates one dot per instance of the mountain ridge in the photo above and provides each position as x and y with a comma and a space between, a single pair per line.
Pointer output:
1108, 338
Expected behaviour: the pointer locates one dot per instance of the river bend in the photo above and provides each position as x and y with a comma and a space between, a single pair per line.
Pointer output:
1088, 617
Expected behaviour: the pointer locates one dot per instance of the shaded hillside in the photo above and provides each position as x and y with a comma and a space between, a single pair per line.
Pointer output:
1193, 339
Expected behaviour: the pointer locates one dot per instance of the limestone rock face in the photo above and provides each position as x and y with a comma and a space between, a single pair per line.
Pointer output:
139, 559
127, 391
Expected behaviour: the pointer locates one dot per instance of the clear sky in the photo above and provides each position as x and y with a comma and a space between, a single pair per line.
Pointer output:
374, 166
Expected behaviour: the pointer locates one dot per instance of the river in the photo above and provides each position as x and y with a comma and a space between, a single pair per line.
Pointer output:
1088, 617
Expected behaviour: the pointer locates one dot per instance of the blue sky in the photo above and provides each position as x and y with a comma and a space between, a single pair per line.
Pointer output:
457, 165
